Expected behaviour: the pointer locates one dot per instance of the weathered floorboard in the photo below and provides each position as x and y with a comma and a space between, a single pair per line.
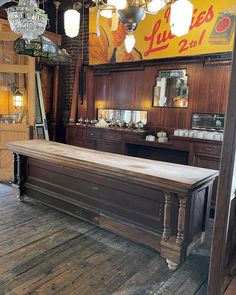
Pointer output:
43, 251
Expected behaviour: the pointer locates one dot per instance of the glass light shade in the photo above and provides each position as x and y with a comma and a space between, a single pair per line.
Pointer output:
27, 19
181, 17
18, 100
72, 22
62, 58
119, 4
106, 13
129, 43
155, 5
41, 46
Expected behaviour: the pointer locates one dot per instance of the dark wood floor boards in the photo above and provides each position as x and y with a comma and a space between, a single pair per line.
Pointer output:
148, 278
45, 252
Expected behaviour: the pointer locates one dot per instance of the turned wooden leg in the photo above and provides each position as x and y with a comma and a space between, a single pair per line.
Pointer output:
181, 219
18, 176
171, 264
167, 217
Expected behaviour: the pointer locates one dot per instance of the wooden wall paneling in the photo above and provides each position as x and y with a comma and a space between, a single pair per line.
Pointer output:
123, 85
8, 133
134, 90
224, 89
144, 81
102, 91
213, 89
89, 97
47, 87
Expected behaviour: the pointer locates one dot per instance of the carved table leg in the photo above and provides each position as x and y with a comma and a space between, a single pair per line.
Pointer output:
15, 168
181, 219
167, 217
172, 247
18, 177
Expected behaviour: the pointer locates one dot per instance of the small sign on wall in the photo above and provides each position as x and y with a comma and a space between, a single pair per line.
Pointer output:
211, 31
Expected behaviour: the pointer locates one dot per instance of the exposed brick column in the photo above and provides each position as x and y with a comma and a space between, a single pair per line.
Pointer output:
74, 46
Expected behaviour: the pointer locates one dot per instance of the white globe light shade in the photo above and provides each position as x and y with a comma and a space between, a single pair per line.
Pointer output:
129, 43
181, 17
106, 13
155, 5
72, 22
119, 4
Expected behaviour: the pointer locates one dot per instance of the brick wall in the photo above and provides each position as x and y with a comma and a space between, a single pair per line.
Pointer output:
74, 46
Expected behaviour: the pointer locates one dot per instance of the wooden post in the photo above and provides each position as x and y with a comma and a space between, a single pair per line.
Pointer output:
74, 102
31, 91
181, 219
15, 168
167, 217
55, 102
18, 177
218, 279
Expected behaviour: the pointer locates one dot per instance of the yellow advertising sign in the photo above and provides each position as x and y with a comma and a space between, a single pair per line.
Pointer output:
211, 31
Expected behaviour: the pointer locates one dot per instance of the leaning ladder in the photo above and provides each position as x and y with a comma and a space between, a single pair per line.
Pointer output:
41, 126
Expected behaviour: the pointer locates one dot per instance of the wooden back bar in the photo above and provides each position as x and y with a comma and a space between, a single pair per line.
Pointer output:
162, 205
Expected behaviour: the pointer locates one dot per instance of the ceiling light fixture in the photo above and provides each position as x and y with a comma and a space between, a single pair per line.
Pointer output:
27, 19
131, 12
38, 47
181, 17
72, 20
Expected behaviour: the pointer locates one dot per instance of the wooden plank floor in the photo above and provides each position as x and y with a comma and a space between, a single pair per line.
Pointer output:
43, 251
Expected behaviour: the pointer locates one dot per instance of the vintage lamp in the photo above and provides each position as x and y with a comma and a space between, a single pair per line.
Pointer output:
18, 100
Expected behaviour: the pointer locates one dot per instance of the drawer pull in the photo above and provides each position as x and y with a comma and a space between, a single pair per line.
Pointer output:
209, 149
91, 134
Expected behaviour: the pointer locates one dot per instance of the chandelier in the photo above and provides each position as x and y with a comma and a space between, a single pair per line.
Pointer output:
131, 12
27, 19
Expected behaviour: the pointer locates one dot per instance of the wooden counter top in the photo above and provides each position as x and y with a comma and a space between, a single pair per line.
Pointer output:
159, 204
141, 170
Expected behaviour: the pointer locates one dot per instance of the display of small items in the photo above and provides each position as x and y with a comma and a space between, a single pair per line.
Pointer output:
200, 134
161, 137
9, 119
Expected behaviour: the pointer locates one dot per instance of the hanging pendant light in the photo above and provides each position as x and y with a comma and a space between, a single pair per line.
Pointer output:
72, 20
129, 12
129, 42
27, 19
155, 5
41, 46
181, 17
62, 59
120, 4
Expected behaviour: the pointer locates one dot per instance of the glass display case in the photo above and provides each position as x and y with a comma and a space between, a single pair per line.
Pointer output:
127, 117
208, 121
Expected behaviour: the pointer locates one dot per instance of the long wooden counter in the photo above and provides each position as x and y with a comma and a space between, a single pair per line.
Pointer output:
162, 205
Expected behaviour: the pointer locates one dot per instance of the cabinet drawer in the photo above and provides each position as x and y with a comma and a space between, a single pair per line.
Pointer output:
108, 146
92, 133
74, 132
112, 136
207, 149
